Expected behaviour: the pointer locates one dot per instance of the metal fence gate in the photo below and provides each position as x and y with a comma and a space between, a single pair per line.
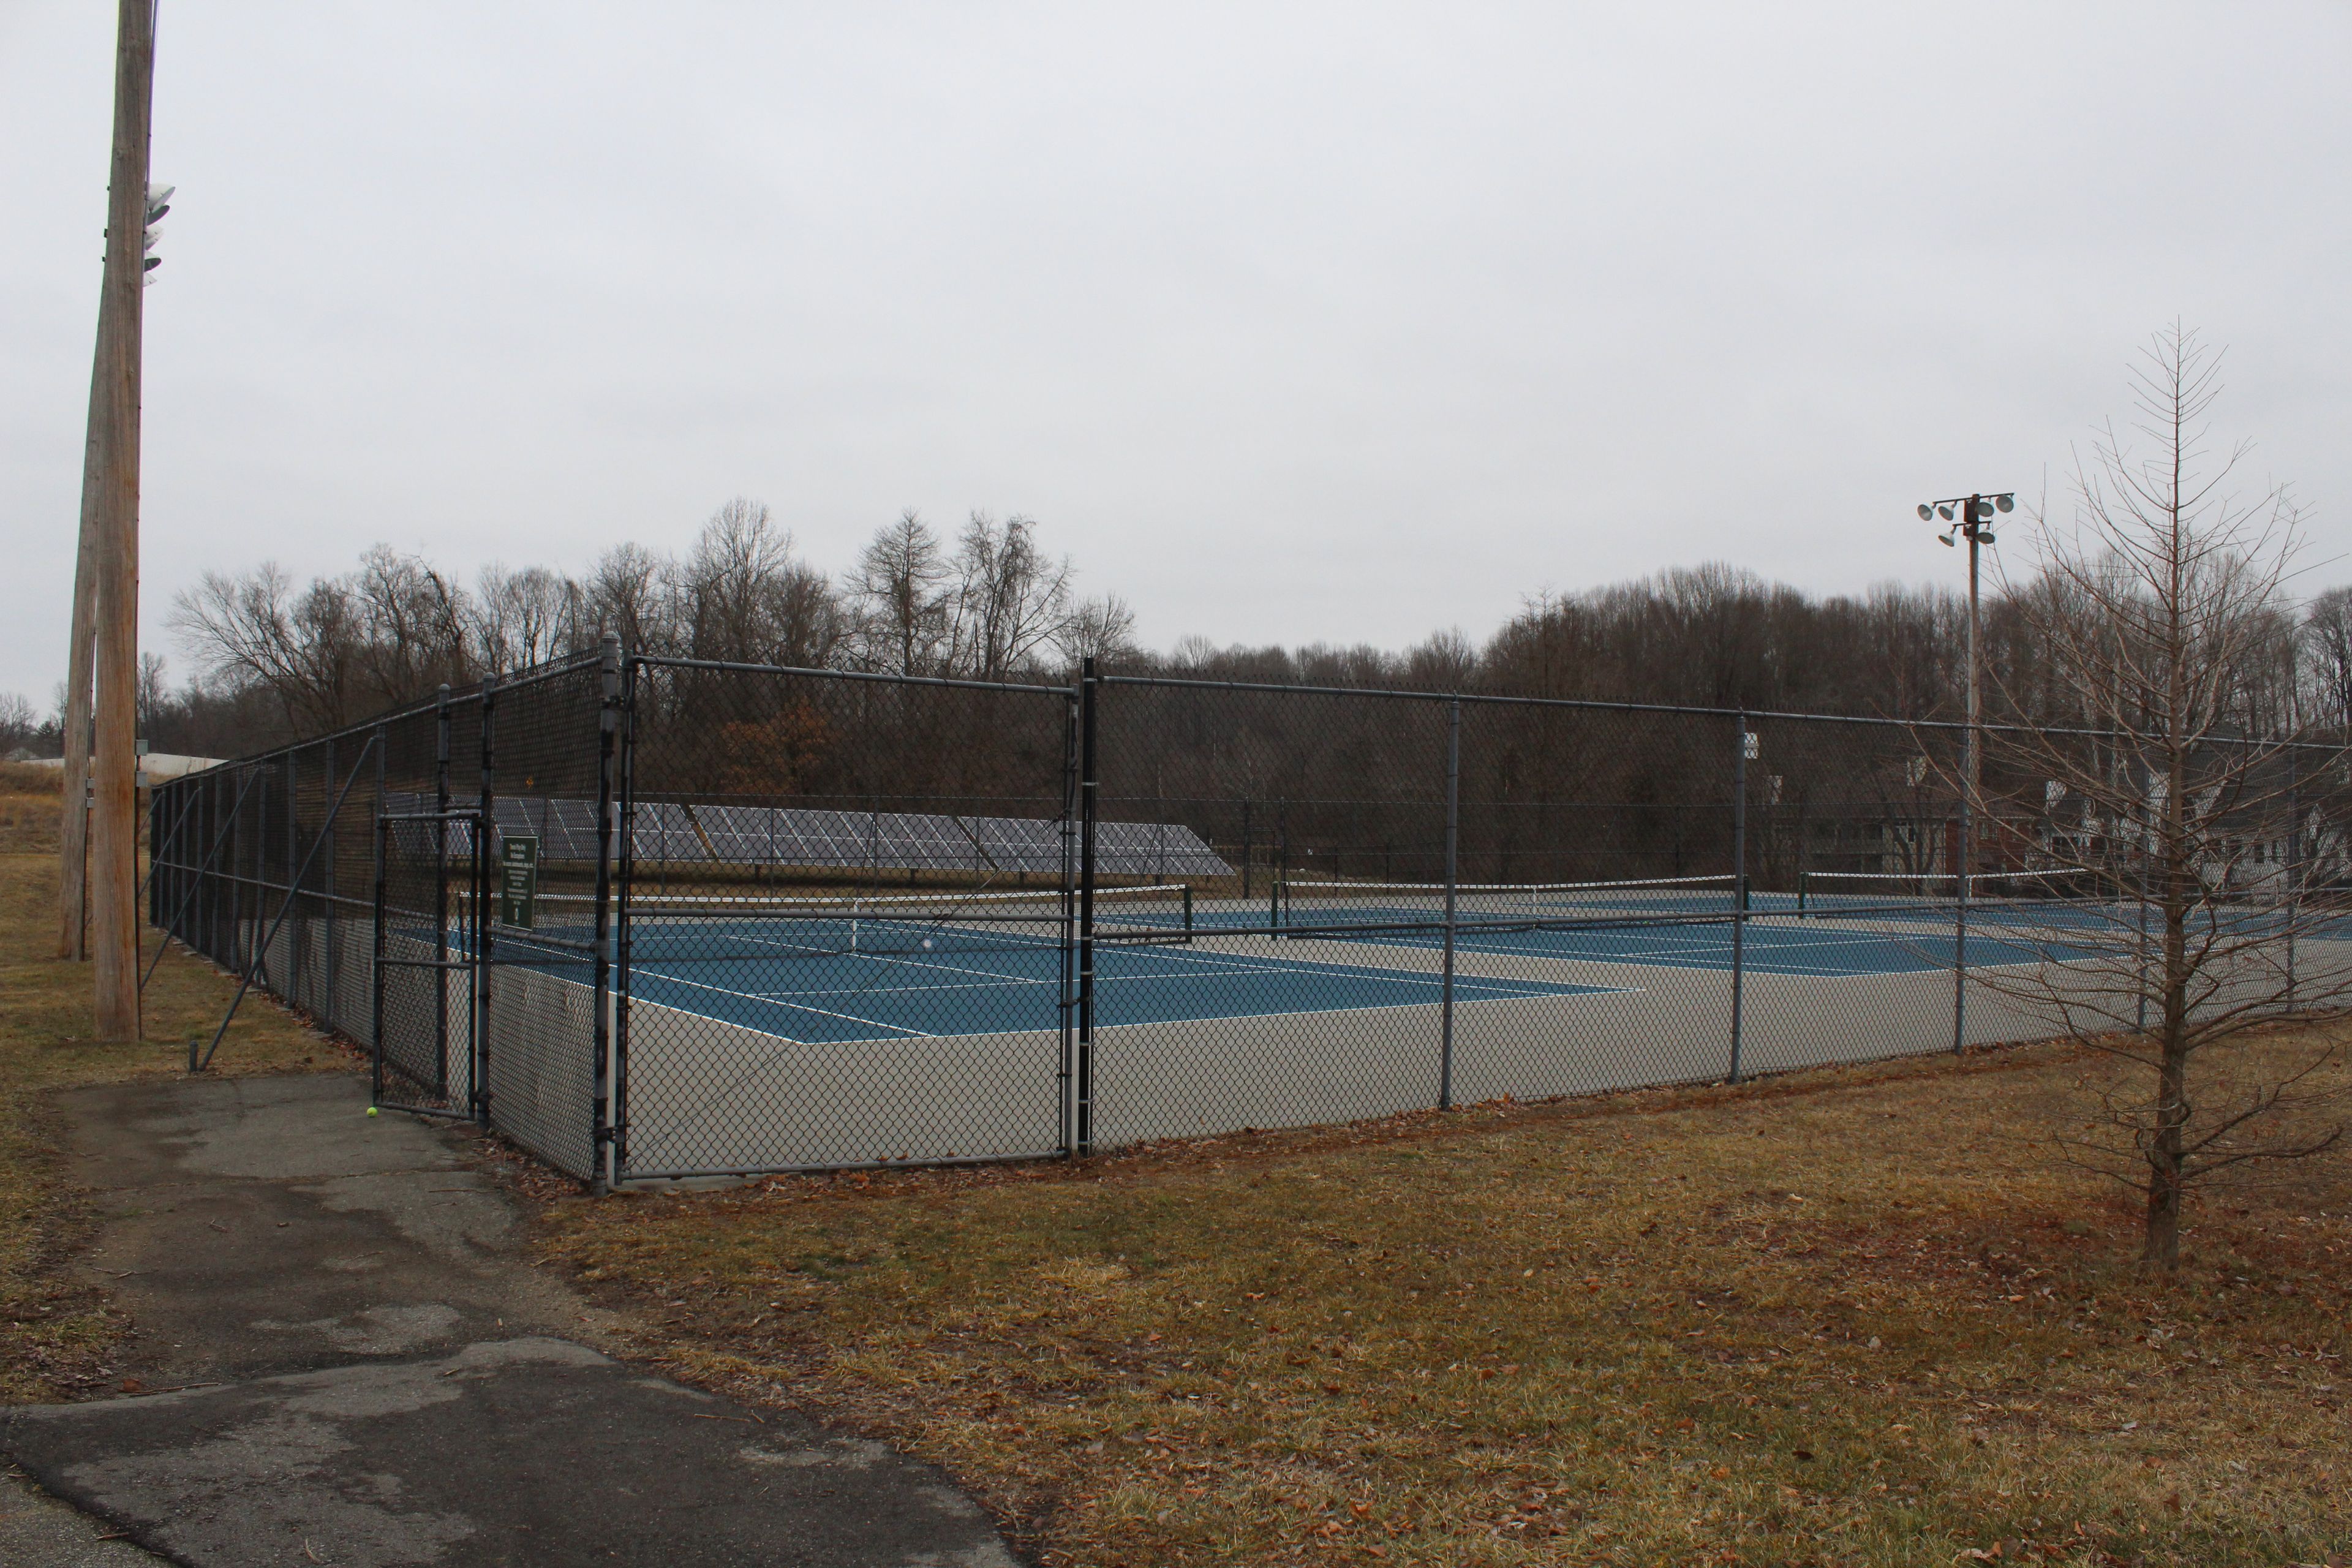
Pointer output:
430, 920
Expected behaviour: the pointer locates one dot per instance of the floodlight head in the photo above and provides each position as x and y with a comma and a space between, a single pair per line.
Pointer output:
1925, 511
1984, 539
1980, 512
2006, 503
1946, 540
1944, 511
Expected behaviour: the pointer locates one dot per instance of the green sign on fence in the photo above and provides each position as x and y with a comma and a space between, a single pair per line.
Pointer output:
518, 880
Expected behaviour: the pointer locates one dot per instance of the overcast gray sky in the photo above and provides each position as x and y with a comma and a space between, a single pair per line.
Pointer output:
1288, 322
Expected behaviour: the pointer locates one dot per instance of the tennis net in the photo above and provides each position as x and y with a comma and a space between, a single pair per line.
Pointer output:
1310, 906
1846, 893
709, 929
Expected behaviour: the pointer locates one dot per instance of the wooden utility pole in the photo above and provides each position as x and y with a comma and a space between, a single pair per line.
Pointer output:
114, 512
73, 836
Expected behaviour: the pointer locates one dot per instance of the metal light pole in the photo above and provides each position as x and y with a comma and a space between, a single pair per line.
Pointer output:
1974, 524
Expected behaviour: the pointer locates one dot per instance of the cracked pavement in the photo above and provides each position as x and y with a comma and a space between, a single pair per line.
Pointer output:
352, 1363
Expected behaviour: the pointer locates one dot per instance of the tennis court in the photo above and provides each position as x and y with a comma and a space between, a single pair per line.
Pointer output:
819, 971
815, 972
1688, 924
862, 996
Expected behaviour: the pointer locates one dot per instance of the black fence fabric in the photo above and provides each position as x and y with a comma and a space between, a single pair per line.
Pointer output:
656, 918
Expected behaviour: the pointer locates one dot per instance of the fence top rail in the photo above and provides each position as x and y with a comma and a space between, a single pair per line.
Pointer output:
504, 685
669, 661
1502, 699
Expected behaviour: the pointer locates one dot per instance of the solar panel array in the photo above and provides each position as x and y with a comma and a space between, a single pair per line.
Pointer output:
673, 831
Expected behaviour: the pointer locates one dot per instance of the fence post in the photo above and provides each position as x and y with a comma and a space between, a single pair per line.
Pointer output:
237, 878
441, 893
292, 985
375, 962
483, 892
1453, 847
1277, 877
379, 739
1739, 886
327, 907
1960, 912
1245, 848
601, 1163
2293, 862
1066, 1011
625, 872
1089, 799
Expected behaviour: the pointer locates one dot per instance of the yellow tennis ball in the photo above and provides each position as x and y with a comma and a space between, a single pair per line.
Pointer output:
371, 1111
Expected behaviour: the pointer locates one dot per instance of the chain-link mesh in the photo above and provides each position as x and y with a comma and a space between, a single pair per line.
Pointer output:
654, 918
845, 928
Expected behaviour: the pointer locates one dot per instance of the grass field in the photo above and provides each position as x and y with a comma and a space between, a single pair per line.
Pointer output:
54, 1334
1853, 1317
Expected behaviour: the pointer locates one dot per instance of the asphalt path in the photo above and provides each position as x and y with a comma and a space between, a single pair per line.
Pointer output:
343, 1359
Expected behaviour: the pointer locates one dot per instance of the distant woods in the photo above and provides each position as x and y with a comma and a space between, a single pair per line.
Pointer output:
274, 659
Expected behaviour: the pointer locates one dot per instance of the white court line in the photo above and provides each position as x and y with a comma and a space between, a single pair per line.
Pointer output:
722, 990
1509, 987
1272, 965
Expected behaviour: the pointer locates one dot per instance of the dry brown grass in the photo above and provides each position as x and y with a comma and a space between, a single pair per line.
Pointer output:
53, 1332
1853, 1318
29, 808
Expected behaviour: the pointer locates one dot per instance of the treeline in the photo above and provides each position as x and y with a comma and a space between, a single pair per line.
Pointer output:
274, 660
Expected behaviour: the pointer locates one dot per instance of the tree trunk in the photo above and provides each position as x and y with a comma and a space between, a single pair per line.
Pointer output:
2160, 1245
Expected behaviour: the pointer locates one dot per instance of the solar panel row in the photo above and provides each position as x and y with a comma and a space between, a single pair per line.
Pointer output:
676, 831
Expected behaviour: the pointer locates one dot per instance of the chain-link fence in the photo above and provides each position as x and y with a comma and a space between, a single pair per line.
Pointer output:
656, 918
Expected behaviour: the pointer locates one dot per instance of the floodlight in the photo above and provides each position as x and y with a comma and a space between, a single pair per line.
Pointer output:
1944, 511
1946, 539
1984, 539
1925, 511
158, 201
1981, 511
2006, 503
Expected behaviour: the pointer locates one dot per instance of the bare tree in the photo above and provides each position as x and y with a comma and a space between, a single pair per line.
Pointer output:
2160, 608
19, 726
629, 593
742, 596
155, 693
899, 600
2327, 657
524, 618
1101, 629
1011, 603
417, 626
303, 649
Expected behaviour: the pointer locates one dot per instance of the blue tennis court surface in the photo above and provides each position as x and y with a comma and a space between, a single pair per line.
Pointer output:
861, 997
793, 980
1824, 943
